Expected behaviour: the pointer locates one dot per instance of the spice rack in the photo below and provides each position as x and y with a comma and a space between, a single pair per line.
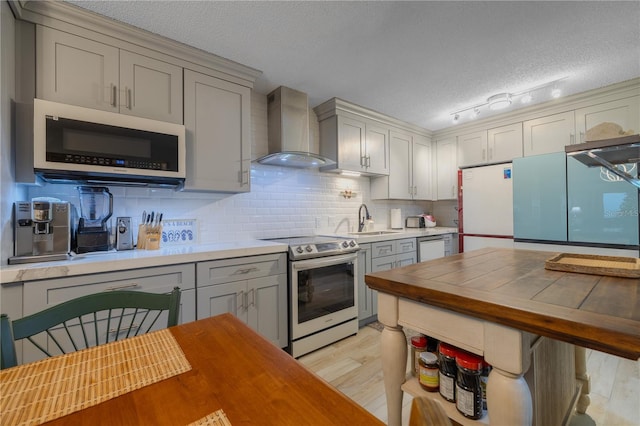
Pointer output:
413, 388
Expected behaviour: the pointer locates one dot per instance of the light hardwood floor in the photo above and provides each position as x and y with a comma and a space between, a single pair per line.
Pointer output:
353, 366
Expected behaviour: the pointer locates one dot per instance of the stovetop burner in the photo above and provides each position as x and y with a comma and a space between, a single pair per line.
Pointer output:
307, 247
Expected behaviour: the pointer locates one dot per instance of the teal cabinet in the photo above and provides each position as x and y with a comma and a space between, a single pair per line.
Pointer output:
540, 197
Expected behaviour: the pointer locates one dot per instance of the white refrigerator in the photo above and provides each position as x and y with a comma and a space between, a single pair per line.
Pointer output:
487, 207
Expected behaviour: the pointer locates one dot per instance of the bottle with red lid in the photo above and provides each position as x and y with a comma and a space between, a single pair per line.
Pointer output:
448, 371
468, 385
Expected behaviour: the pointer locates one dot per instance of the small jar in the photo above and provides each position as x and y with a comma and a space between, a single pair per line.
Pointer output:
428, 371
418, 345
448, 371
468, 385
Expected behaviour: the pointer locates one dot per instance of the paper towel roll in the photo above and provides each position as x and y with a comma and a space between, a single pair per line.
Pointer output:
396, 219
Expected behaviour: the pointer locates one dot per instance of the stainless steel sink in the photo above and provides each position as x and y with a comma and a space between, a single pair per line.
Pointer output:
374, 233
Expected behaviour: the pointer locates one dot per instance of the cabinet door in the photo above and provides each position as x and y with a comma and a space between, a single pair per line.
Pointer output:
504, 143
383, 263
366, 308
407, 245
267, 308
400, 183
625, 112
150, 88
421, 167
223, 298
446, 170
75, 70
472, 149
218, 121
351, 144
549, 134
406, 259
540, 197
377, 149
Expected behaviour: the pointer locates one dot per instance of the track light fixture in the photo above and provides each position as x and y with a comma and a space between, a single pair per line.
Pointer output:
504, 100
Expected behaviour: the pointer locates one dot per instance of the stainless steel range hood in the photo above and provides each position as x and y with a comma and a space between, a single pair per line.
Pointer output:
609, 153
288, 122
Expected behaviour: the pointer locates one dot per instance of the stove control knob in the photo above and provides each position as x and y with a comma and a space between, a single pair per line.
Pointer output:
345, 244
299, 249
352, 243
309, 249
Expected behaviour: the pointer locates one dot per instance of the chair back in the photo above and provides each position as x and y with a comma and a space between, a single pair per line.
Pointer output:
427, 412
88, 321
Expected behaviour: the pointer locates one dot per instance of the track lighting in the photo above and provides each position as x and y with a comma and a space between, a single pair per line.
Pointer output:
505, 99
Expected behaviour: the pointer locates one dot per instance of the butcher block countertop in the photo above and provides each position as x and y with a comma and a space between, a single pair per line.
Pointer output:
513, 288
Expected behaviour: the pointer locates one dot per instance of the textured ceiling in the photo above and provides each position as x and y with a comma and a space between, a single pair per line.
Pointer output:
416, 61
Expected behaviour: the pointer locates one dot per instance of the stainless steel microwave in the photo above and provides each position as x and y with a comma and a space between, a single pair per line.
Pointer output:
76, 144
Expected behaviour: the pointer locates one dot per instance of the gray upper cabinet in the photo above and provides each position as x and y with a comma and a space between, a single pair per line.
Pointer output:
217, 116
497, 145
78, 71
549, 134
410, 169
355, 144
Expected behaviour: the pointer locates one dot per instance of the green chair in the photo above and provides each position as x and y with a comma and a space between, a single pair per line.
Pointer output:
87, 321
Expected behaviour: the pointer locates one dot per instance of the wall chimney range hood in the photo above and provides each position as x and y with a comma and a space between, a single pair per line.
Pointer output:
608, 153
288, 123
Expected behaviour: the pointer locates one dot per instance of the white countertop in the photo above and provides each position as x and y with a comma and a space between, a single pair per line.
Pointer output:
396, 234
132, 259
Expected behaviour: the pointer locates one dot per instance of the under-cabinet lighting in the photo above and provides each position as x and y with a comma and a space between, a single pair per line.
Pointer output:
350, 173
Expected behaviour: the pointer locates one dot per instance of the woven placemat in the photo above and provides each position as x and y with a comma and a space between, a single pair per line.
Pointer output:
54, 387
217, 418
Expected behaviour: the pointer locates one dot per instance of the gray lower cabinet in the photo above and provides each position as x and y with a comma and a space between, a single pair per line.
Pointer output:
367, 298
391, 254
375, 257
252, 288
41, 294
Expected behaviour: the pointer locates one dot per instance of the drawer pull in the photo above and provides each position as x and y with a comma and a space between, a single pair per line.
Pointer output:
246, 271
122, 287
242, 296
253, 297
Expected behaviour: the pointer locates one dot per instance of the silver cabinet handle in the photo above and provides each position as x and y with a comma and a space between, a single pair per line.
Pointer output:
490, 153
363, 160
245, 271
253, 297
484, 154
572, 138
241, 297
581, 137
368, 161
113, 95
122, 287
129, 98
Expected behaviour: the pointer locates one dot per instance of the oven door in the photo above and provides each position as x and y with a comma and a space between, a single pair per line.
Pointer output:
323, 293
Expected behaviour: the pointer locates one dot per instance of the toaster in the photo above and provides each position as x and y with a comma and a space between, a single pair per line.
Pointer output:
415, 222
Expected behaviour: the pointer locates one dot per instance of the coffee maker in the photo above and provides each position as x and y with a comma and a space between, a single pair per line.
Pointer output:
42, 230
94, 227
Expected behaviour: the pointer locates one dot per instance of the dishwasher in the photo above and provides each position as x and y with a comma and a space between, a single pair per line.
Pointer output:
430, 248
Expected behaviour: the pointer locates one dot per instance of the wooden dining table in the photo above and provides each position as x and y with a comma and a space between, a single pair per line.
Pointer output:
232, 369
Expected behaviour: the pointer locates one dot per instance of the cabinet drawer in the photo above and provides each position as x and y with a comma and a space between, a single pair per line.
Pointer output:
405, 246
39, 295
240, 269
383, 263
383, 248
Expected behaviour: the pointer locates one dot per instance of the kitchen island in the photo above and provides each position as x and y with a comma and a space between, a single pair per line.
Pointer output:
504, 305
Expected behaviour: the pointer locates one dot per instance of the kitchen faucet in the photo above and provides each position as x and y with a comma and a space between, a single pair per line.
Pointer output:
362, 220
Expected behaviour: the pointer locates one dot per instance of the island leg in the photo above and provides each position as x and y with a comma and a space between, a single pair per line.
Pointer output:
582, 376
394, 356
508, 399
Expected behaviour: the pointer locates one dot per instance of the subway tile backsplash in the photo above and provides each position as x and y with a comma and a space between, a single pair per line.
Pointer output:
282, 202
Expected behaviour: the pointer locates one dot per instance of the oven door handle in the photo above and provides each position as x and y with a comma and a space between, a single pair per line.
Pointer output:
301, 265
